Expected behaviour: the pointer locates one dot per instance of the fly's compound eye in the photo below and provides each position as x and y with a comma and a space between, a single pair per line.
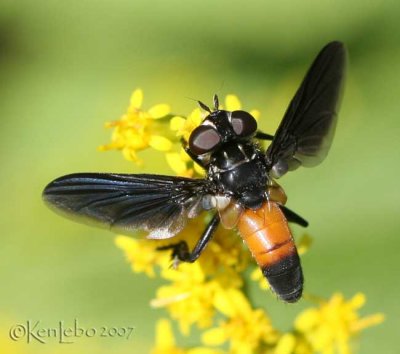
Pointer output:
203, 139
243, 123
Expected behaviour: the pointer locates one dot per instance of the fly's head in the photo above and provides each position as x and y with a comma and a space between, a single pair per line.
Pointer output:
220, 127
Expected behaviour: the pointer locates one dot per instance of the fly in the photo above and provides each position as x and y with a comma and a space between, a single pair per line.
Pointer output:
239, 188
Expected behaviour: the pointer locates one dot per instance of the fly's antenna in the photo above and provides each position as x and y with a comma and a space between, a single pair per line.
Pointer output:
203, 106
206, 108
216, 102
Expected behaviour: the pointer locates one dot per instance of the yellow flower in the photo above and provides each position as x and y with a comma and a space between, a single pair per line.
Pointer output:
232, 103
286, 344
137, 129
141, 254
330, 327
245, 328
226, 254
304, 243
181, 163
257, 276
189, 296
166, 344
184, 126
165, 340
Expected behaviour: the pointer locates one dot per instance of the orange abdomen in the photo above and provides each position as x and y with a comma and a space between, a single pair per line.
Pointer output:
267, 234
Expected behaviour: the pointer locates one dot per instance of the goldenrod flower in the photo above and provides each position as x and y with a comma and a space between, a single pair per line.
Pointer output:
189, 296
193, 294
181, 163
184, 126
232, 103
304, 243
137, 129
141, 254
330, 327
286, 344
246, 329
165, 342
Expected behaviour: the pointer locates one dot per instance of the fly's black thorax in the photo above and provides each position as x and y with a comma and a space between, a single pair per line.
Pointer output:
238, 169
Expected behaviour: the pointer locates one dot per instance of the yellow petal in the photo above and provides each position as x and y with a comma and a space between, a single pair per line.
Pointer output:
176, 163
164, 336
256, 274
304, 244
160, 143
232, 103
255, 113
368, 321
214, 336
136, 99
199, 170
203, 350
106, 147
159, 110
306, 320
231, 303
358, 301
124, 242
195, 117
286, 344
184, 155
176, 123
130, 155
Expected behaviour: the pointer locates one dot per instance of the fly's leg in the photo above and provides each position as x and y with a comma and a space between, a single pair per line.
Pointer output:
291, 216
180, 250
263, 136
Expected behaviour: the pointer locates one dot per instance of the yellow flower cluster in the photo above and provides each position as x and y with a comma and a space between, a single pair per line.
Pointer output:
137, 129
190, 296
329, 327
209, 294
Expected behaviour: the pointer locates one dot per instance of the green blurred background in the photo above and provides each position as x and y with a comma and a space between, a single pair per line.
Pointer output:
66, 67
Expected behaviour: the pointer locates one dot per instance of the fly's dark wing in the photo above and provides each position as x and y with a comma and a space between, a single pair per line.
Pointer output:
307, 128
127, 203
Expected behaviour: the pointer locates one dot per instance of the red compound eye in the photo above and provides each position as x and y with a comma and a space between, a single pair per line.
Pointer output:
203, 139
243, 123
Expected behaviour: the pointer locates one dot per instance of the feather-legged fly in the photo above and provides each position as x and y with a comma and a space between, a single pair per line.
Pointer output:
239, 188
